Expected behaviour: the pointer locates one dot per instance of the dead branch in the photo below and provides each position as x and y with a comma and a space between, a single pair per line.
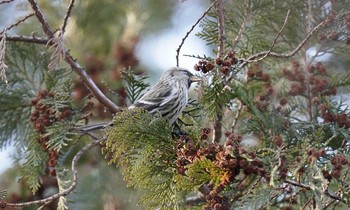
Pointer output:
284, 55
273, 42
66, 16
17, 22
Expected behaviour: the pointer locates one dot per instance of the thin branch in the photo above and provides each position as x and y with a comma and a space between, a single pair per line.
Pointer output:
274, 41
29, 39
195, 200
67, 15
221, 28
190, 31
17, 22
241, 31
238, 113
326, 192
6, 1
70, 188
44, 24
285, 55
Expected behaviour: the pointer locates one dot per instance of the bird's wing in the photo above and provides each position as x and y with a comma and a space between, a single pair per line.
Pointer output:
155, 97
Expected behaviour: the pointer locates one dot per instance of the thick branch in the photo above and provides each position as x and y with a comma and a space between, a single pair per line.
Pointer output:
91, 84
70, 188
188, 33
44, 24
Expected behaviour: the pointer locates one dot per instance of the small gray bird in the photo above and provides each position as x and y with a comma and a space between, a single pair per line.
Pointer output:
168, 97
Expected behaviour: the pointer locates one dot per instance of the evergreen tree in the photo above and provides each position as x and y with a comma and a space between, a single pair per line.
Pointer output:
270, 128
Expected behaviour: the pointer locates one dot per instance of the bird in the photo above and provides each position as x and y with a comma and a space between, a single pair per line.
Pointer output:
168, 97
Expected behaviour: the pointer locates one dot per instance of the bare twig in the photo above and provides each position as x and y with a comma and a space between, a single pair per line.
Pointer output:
29, 39
307, 187
241, 31
67, 15
188, 33
70, 188
274, 41
238, 113
6, 1
285, 55
221, 28
17, 22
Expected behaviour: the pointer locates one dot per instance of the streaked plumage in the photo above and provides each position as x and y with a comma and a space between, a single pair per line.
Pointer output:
168, 97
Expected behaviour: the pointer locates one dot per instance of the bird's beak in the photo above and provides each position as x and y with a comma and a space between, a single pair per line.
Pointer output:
195, 78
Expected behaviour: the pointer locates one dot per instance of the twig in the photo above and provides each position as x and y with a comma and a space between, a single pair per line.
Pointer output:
6, 1
274, 41
29, 39
17, 22
238, 113
70, 188
284, 55
221, 28
188, 32
326, 192
67, 15
241, 30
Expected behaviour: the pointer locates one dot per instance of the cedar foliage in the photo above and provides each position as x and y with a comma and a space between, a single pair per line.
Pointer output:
294, 107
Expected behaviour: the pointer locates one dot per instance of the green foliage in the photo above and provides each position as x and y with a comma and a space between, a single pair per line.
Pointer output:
135, 85
215, 98
28, 75
143, 145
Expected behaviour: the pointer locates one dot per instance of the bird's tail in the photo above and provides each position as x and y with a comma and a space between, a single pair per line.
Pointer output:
89, 128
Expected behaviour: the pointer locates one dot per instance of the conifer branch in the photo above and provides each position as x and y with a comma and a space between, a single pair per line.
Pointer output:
75, 66
49, 199
17, 22
190, 31
67, 15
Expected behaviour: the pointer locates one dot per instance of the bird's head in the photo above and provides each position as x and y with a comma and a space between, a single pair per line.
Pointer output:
178, 74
